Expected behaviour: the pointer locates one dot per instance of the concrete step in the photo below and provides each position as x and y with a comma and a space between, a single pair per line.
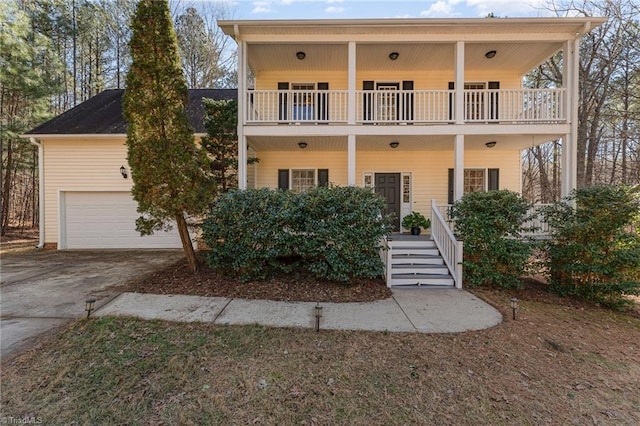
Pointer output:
417, 259
410, 268
421, 279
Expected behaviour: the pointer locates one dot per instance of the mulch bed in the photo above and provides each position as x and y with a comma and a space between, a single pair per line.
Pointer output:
178, 279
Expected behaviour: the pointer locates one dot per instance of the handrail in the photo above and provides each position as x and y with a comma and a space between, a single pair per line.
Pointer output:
450, 248
520, 106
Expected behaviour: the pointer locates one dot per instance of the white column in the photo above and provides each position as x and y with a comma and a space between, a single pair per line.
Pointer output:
458, 167
351, 81
459, 83
351, 160
570, 140
242, 98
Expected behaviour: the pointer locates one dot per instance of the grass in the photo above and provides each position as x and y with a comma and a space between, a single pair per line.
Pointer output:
557, 364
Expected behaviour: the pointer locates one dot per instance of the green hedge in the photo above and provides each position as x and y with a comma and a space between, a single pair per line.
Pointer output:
490, 224
331, 232
591, 253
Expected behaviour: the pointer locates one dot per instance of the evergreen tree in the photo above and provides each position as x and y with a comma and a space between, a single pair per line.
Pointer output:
167, 167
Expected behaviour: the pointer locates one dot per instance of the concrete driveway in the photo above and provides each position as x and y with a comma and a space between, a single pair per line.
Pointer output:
42, 291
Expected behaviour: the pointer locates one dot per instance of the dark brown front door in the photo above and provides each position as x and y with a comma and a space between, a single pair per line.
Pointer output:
388, 185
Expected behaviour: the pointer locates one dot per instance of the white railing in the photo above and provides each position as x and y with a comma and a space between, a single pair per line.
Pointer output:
518, 105
296, 106
450, 248
537, 222
405, 106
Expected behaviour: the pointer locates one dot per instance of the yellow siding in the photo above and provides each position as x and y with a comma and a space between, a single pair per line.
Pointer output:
271, 161
80, 164
429, 169
424, 80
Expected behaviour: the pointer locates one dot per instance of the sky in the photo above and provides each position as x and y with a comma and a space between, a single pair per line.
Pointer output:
355, 9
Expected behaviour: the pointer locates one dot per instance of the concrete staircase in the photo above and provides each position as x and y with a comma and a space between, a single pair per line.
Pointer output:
416, 262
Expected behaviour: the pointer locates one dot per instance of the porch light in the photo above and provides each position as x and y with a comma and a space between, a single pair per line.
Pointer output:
302, 145
123, 172
301, 55
394, 145
318, 316
490, 144
514, 306
490, 54
88, 305
394, 55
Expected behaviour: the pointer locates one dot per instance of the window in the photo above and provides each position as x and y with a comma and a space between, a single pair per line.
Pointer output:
473, 180
406, 188
302, 180
476, 180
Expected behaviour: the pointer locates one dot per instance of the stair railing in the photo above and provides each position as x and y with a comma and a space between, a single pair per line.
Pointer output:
450, 248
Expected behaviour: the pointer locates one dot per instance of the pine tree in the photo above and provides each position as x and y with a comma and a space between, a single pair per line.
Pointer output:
167, 167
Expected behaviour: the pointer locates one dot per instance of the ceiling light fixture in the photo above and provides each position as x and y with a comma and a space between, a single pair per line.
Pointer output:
301, 55
394, 145
490, 54
394, 55
490, 144
302, 145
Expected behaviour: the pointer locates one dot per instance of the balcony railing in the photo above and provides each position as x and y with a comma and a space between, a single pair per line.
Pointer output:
405, 106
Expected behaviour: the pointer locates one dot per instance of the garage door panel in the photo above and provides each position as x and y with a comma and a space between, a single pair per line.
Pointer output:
108, 220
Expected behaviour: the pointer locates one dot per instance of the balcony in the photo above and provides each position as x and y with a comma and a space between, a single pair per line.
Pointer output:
521, 106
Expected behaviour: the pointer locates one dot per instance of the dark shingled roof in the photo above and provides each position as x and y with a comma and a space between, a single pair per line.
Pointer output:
102, 114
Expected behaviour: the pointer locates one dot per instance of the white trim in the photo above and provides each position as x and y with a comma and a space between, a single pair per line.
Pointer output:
458, 167
351, 84
459, 83
41, 229
351, 160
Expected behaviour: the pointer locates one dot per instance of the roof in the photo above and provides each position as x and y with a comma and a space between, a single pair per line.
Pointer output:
102, 114
560, 26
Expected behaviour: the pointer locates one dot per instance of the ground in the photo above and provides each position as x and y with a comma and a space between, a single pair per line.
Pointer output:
178, 279
557, 363
562, 361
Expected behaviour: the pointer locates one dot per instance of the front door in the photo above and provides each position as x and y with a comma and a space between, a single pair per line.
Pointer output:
388, 185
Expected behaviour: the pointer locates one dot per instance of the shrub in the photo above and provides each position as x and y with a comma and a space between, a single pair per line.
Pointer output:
490, 224
591, 253
332, 233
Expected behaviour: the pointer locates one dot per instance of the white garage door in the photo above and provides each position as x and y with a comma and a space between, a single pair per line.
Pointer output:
107, 220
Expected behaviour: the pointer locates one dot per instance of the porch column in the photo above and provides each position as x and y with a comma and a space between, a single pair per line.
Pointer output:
351, 160
351, 81
459, 82
458, 167
570, 140
242, 140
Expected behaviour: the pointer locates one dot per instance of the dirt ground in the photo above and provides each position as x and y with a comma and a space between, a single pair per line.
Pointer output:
178, 279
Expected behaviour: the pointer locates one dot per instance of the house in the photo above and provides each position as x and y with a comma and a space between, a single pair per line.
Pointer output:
421, 110
85, 184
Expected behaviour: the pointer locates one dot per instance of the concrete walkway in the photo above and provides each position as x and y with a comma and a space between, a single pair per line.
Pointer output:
408, 310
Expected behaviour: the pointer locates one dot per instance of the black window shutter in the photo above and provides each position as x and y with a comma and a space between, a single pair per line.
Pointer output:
450, 191
282, 100
494, 179
493, 100
283, 179
367, 101
407, 101
452, 86
323, 177
323, 102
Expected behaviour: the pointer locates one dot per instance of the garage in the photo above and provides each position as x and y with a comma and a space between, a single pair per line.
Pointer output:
104, 220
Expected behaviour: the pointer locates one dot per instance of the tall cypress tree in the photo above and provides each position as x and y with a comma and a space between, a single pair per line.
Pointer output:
167, 168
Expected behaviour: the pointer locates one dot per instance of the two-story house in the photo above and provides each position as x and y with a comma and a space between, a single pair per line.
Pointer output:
421, 110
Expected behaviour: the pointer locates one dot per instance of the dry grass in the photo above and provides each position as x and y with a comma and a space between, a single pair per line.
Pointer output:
557, 364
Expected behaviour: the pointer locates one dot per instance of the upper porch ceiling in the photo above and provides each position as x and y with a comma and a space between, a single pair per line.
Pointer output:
517, 57
521, 43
